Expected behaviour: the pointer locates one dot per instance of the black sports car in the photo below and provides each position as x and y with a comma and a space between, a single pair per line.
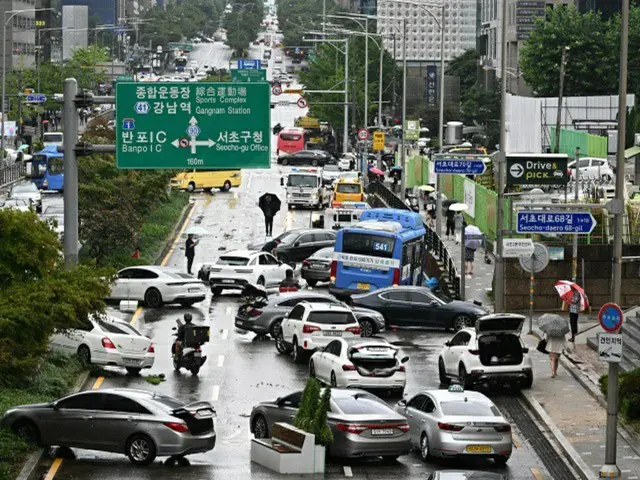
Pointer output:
407, 306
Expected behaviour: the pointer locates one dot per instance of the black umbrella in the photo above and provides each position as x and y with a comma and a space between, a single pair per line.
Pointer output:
269, 201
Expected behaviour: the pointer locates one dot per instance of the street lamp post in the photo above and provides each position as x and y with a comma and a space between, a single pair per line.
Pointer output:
4, 63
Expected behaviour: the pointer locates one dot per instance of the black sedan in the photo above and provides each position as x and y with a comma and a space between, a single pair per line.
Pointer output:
307, 157
407, 306
317, 268
299, 244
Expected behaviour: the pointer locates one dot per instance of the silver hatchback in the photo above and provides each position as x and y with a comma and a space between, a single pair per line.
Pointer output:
137, 423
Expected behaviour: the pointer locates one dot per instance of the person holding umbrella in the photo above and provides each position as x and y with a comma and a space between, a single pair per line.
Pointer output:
451, 226
555, 328
190, 251
269, 204
458, 220
472, 242
573, 295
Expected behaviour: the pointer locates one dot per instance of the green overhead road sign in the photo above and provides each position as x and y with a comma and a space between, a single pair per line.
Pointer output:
193, 125
124, 78
185, 47
248, 75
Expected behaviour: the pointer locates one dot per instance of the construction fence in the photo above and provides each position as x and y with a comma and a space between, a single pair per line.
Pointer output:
589, 145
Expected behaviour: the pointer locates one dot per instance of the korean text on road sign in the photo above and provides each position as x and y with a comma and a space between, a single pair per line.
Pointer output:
378, 140
610, 347
555, 222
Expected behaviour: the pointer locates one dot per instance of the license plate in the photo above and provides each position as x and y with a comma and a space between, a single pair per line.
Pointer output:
381, 431
332, 333
377, 349
131, 361
194, 290
239, 323
227, 281
317, 265
363, 286
479, 449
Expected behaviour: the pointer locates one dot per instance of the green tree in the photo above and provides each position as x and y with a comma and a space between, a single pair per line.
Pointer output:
465, 67
243, 24
298, 16
308, 405
591, 67
321, 429
37, 294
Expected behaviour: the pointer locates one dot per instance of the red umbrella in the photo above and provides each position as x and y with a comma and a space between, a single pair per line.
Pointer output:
566, 289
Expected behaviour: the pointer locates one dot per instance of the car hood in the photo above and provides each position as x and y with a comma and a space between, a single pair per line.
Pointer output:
361, 311
464, 306
28, 406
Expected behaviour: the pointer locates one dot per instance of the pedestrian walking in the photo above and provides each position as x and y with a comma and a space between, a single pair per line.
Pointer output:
451, 226
574, 313
555, 346
458, 221
190, 251
269, 204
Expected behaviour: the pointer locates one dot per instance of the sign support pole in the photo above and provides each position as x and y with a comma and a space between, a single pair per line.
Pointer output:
70, 128
574, 257
463, 273
532, 283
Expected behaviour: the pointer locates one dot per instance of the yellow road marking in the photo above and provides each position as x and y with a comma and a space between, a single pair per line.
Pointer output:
136, 316
536, 474
516, 441
55, 466
175, 242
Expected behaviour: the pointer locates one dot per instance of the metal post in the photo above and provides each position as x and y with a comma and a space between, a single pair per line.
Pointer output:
440, 128
403, 153
463, 271
380, 47
393, 97
345, 132
574, 255
4, 84
365, 160
563, 62
324, 14
532, 284
70, 127
610, 469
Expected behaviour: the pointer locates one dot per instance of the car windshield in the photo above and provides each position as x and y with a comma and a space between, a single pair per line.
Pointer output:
287, 238
348, 188
53, 137
361, 404
302, 181
180, 275
441, 296
27, 188
54, 210
323, 254
169, 402
233, 261
460, 408
14, 202
331, 318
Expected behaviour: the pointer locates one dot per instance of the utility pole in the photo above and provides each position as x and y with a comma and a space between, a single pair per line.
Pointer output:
610, 468
70, 127
345, 132
393, 96
403, 153
502, 158
574, 256
563, 63
441, 130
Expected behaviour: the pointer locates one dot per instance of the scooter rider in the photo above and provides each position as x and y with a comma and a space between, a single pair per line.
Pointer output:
289, 283
181, 332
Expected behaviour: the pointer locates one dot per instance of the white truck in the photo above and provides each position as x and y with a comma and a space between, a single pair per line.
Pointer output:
344, 214
305, 189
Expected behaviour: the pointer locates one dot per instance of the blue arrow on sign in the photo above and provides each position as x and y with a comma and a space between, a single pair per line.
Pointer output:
459, 166
555, 222
36, 98
249, 64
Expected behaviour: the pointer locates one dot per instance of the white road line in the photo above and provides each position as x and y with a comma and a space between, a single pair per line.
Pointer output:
347, 471
216, 393
230, 310
225, 334
220, 360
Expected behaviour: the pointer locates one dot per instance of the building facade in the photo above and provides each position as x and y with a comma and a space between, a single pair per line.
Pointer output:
20, 39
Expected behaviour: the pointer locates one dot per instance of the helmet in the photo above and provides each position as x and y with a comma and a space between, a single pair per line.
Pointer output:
187, 317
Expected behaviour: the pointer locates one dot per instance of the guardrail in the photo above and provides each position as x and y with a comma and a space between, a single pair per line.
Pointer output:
11, 174
433, 242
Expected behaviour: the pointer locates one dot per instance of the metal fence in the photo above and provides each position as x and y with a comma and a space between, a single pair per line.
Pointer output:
433, 242
11, 173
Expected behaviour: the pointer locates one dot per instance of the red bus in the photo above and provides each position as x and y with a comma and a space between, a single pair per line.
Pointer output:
291, 140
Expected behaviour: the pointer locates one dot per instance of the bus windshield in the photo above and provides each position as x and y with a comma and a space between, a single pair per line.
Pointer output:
180, 62
291, 137
38, 166
368, 244
56, 165
302, 181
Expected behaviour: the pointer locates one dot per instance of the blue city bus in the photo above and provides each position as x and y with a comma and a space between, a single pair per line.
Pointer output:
47, 169
386, 247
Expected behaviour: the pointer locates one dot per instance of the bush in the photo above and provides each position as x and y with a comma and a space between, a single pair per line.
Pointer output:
312, 414
628, 393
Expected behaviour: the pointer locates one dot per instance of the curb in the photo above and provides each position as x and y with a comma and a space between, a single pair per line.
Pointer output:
30, 469
176, 230
572, 455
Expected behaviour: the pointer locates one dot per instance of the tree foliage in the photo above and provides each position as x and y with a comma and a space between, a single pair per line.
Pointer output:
298, 16
243, 23
312, 414
37, 294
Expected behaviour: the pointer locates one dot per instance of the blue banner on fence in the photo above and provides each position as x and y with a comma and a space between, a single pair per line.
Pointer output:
431, 85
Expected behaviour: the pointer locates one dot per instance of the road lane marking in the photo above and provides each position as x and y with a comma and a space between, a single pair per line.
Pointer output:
347, 471
230, 309
136, 316
537, 474
516, 441
216, 393
53, 469
98, 383
225, 334
178, 237
220, 360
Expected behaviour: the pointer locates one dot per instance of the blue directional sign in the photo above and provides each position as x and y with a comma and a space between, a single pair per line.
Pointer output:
128, 124
459, 166
36, 98
555, 222
249, 64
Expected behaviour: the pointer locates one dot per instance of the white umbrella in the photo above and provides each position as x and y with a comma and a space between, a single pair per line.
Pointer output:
458, 207
426, 188
473, 233
197, 231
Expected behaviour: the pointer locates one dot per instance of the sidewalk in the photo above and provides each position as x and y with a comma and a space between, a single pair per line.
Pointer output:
570, 405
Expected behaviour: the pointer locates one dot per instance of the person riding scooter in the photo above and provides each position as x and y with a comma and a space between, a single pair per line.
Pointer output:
289, 284
181, 332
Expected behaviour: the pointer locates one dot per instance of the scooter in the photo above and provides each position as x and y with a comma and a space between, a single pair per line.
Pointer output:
190, 357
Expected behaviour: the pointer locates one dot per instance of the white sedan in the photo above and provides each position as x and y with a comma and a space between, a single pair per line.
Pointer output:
156, 286
234, 270
29, 192
19, 204
106, 341
367, 363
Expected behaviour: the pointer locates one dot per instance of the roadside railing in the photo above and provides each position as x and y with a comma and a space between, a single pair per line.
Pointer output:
11, 174
433, 242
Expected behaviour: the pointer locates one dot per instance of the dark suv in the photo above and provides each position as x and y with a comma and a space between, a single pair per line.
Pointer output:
299, 244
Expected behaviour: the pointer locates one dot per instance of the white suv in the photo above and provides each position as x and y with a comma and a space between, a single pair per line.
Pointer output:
592, 169
492, 352
309, 326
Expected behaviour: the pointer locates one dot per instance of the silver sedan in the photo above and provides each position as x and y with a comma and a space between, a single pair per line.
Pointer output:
456, 423
141, 424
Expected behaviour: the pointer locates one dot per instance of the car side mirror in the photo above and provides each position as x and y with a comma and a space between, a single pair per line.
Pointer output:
54, 405
403, 403
404, 360
447, 344
433, 303
297, 244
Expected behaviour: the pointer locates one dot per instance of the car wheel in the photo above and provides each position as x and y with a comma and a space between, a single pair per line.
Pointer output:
463, 377
133, 370
312, 369
191, 187
27, 430
226, 187
195, 370
528, 382
312, 283
298, 353
366, 328
334, 382
153, 298
260, 428
314, 162
281, 345
140, 449
84, 355
216, 291
275, 328
425, 453
442, 373
501, 461
261, 281
285, 161
462, 321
